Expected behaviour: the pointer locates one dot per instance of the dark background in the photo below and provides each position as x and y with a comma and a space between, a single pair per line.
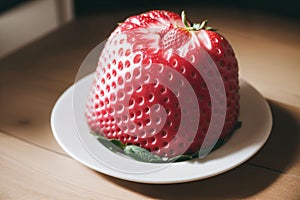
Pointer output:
287, 8
7, 4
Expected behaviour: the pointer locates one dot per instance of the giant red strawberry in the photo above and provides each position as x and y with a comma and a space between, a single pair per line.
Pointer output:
166, 85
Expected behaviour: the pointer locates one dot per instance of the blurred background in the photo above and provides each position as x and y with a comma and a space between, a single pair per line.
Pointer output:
44, 16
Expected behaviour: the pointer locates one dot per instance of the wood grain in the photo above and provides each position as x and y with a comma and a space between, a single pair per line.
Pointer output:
38, 173
33, 166
32, 172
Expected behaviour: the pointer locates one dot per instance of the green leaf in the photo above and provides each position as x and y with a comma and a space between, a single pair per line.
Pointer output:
184, 20
203, 24
210, 28
180, 158
141, 154
113, 145
196, 26
118, 143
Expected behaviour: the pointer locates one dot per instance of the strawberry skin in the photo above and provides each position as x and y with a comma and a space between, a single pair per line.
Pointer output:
146, 75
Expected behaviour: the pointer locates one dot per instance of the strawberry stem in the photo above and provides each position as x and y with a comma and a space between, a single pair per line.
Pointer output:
195, 26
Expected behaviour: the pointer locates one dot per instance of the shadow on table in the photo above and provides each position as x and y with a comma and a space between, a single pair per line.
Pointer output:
281, 149
248, 179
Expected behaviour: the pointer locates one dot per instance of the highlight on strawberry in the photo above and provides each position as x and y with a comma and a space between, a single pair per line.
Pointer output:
165, 89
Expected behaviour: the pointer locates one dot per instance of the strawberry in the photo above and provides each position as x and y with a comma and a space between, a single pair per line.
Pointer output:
155, 86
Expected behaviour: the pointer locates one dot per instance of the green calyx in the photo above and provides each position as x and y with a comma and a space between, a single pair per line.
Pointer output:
196, 26
138, 153
143, 155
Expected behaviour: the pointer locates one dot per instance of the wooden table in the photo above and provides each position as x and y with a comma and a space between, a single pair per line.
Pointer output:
33, 166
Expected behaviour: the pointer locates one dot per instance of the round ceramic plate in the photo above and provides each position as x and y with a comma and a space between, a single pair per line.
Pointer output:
71, 132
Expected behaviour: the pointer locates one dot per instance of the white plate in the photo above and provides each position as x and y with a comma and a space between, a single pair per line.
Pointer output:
72, 133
